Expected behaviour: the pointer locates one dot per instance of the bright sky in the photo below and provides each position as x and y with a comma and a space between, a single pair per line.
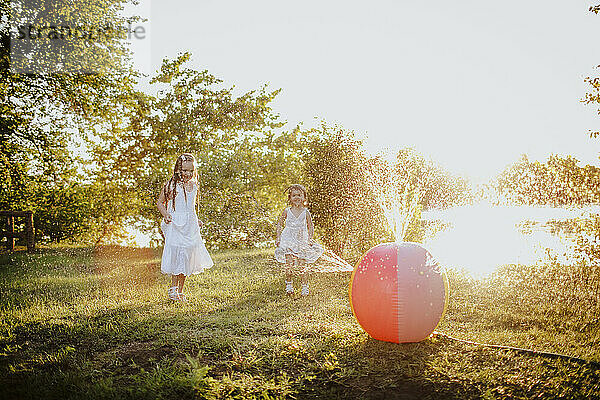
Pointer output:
471, 84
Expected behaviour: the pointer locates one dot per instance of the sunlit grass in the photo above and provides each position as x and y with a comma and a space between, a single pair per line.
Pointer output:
83, 324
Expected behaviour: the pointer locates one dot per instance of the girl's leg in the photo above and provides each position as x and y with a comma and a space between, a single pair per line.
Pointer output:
180, 282
173, 290
304, 277
289, 266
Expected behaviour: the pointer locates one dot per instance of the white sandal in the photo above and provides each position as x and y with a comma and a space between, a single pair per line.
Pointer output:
305, 291
289, 288
173, 293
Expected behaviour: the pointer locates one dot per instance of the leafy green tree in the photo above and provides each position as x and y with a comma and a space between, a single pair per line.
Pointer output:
593, 97
62, 213
413, 184
243, 156
341, 199
437, 187
359, 201
558, 182
44, 114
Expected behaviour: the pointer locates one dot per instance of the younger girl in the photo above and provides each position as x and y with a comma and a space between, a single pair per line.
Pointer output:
295, 244
184, 252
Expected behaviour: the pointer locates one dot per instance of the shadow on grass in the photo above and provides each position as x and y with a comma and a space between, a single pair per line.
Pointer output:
238, 335
382, 370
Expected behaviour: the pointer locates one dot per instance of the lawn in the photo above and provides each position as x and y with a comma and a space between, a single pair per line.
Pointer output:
78, 323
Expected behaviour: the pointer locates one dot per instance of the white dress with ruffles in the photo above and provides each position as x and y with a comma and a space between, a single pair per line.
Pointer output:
184, 251
294, 239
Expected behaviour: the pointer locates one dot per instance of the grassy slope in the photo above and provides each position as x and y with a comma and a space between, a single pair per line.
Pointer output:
81, 325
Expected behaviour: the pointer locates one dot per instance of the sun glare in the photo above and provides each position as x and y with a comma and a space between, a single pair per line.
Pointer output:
481, 237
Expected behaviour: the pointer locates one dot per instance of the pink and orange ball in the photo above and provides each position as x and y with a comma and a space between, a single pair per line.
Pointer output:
398, 292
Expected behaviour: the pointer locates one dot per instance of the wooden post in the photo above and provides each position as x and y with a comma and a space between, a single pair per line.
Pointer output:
10, 232
29, 231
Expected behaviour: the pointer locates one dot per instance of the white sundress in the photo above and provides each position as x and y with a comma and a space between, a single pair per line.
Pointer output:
294, 239
184, 251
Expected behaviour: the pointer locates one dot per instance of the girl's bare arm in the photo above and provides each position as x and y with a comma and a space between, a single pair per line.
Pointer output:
309, 225
279, 228
161, 205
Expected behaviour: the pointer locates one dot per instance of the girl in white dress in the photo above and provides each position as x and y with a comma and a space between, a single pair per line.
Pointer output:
295, 244
184, 252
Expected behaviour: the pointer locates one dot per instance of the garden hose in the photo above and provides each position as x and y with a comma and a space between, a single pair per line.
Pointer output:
578, 360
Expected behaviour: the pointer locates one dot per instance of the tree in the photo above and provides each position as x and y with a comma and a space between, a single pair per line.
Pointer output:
342, 201
436, 187
359, 201
45, 112
557, 182
243, 156
594, 82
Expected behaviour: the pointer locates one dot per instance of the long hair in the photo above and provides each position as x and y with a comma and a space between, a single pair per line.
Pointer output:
170, 188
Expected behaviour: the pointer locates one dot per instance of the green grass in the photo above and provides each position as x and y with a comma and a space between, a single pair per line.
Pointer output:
83, 324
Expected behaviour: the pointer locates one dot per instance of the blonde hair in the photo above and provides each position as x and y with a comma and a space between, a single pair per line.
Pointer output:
296, 186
